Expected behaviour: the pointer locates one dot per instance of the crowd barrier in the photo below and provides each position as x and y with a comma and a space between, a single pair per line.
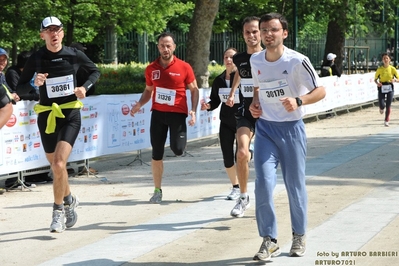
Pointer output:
108, 128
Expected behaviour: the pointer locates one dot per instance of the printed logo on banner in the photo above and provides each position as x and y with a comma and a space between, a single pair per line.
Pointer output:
23, 114
12, 121
125, 109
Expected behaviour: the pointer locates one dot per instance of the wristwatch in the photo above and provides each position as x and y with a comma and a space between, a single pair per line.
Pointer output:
298, 101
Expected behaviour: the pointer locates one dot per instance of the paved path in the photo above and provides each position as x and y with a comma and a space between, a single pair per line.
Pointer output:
353, 186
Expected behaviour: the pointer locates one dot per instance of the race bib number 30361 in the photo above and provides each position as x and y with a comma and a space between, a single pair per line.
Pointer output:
60, 86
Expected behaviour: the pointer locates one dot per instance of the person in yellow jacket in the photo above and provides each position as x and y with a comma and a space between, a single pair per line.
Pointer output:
384, 77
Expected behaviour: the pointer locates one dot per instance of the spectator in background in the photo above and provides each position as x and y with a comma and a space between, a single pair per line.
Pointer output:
3, 83
328, 68
14, 72
360, 56
227, 130
374, 60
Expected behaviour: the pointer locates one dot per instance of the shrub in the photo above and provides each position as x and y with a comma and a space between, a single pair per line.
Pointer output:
129, 78
121, 79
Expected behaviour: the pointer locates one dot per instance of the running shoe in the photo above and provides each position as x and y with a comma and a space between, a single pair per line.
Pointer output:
298, 247
267, 250
386, 123
58, 222
70, 213
156, 197
240, 208
234, 194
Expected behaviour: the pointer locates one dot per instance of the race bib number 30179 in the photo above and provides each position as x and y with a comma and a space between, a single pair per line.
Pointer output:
272, 92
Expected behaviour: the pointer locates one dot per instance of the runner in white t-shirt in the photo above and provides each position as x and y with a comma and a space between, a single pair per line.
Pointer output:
284, 80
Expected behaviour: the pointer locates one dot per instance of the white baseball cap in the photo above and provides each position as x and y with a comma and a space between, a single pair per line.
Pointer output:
331, 56
50, 21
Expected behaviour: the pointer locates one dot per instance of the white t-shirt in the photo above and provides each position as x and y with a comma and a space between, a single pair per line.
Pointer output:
292, 75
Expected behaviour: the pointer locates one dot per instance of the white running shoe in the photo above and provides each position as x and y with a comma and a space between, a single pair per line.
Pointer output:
240, 208
234, 194
58, 222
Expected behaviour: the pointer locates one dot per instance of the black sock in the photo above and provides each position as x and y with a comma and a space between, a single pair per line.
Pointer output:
68, 199
236, 186
57, 207
274, 240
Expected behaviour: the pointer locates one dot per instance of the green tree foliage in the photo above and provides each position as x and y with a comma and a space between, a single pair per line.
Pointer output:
87, 20
343, 19
84, 20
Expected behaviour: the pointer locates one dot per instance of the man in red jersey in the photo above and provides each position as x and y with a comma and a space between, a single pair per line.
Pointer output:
166, 81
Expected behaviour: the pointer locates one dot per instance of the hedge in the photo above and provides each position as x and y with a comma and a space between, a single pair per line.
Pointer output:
129, 78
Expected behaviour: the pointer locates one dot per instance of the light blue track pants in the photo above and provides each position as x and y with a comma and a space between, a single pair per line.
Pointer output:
281, 143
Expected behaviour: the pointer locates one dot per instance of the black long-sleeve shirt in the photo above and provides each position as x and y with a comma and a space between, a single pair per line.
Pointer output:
63, 63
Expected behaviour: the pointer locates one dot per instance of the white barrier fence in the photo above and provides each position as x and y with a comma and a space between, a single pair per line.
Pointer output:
107, 127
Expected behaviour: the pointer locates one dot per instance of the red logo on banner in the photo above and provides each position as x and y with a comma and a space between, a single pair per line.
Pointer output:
36, 145
12, 121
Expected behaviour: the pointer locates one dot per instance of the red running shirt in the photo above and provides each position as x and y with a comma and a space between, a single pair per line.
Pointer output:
169, 94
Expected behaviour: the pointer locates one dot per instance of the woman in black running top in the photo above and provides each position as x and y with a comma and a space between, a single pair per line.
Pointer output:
227, 130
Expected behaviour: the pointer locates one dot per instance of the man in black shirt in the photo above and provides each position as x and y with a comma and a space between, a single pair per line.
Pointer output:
59, 118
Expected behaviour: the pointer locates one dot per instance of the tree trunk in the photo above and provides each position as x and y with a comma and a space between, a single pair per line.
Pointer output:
335, 42
111, 48
199, 38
